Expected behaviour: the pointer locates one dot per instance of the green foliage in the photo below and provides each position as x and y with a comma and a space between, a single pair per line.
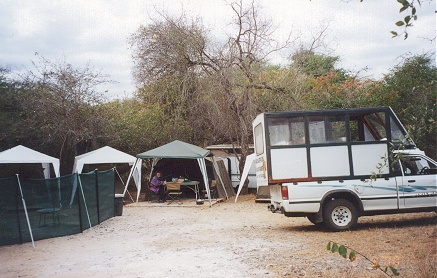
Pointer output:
343, 250
314, 64
9, 113
407, 6
412, 87
335, 90
143, 126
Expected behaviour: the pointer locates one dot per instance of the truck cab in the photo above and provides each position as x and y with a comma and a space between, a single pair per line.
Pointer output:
333, 166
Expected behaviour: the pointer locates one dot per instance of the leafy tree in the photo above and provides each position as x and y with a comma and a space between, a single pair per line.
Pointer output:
313, 64
413, 94
334, 90
8, 110
140, 127
285, 88
327, 86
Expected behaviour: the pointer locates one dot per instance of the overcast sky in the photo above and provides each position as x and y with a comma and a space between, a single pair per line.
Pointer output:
96, 31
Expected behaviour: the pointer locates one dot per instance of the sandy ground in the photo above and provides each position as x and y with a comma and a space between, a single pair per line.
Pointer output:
230, 239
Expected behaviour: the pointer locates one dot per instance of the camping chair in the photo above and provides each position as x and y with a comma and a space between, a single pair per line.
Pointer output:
174, 192
54, 212
54, 196
212, 190
150, 195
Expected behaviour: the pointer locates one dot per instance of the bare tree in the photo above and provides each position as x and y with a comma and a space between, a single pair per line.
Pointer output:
170, 56
231, 92
60, 105
214, 89
217, 90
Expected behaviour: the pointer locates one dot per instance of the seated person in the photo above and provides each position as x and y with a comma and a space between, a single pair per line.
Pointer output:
158, 187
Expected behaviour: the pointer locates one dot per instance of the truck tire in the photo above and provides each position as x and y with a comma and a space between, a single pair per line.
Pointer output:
340, 215
312, 219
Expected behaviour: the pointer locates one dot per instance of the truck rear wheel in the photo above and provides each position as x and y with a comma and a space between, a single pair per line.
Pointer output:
312, 219
339, 215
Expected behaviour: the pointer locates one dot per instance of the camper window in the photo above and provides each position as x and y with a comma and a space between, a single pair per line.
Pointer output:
375, 128
286, 131
327, 129
396, 133
259, 142
371, 127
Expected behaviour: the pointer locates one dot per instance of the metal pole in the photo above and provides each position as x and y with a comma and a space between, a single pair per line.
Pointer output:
25, 212
122, 182
130, 175
84, 201
97, 196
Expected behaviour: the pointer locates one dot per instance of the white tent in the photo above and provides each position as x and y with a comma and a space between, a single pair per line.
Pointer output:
108, 155
21, 154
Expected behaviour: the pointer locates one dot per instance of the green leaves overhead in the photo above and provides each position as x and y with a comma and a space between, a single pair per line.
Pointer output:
406, 5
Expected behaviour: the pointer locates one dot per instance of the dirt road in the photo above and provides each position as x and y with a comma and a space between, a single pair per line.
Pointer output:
230, 239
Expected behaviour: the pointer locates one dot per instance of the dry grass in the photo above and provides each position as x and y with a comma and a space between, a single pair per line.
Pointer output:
405, 241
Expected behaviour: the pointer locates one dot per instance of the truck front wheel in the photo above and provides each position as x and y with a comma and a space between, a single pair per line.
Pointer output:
339, 215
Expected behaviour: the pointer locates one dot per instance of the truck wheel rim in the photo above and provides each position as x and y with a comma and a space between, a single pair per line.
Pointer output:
341, 216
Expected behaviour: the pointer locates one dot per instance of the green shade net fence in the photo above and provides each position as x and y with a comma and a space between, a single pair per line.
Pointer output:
54, 207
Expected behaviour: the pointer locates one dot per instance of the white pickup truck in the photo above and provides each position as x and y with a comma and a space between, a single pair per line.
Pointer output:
318, 164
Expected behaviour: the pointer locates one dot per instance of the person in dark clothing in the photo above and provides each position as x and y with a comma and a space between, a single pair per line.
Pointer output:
158, 187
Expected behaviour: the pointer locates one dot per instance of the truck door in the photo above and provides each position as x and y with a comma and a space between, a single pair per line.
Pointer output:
419, 182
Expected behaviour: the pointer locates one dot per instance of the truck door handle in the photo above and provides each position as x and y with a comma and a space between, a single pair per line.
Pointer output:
411, 180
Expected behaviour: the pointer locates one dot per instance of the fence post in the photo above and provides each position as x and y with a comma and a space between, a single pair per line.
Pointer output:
97, 197
76, 176
17, 209
25, 211
84, 201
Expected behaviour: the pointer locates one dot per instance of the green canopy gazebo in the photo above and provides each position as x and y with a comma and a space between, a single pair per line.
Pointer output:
181, 150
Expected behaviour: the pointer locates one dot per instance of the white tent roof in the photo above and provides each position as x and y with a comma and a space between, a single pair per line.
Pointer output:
101, 156
109, 155
21, 154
